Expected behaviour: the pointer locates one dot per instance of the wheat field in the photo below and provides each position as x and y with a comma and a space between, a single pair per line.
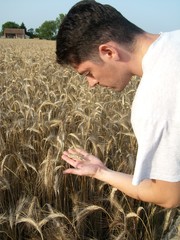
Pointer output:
46, 109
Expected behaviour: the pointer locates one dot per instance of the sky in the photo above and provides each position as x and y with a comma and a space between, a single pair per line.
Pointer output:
152, 15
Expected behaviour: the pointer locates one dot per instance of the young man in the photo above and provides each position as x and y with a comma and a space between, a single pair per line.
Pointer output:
97, 41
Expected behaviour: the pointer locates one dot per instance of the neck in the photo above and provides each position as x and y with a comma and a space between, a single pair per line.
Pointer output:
142, 45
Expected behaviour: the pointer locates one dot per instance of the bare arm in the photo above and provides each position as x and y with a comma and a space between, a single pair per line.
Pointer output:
162, 193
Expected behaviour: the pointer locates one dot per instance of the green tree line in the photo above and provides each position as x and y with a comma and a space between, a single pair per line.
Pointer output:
48, 29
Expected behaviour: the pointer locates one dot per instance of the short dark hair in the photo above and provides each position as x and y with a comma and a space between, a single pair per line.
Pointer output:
87, 25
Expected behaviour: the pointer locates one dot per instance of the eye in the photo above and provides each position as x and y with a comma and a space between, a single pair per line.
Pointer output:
85, 74
89, 74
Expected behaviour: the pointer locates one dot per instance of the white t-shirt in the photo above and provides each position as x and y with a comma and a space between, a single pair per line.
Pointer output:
155, 113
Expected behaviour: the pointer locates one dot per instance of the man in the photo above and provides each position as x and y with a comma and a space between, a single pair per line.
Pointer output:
97, 41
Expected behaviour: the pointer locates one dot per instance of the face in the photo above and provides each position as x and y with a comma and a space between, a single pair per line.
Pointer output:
111, 74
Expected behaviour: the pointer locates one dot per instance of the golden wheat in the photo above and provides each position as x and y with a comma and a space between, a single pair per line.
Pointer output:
46, 109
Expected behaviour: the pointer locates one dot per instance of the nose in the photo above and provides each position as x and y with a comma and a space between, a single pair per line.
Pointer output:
92, 82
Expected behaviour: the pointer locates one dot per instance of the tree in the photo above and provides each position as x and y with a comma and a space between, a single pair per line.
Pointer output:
59, 20
48, 30
9, 25
22, 26
31, 33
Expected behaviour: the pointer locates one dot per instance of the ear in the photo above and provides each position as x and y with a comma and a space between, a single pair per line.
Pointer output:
108, 52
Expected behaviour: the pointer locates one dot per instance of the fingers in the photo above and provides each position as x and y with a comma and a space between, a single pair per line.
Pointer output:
74, 161
71, 161
81, 151
76, 154
83, 154
73, 157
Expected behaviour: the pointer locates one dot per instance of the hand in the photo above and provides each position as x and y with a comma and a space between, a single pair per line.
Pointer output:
84, 164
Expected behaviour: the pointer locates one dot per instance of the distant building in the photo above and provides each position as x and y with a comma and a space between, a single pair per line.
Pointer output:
14, 33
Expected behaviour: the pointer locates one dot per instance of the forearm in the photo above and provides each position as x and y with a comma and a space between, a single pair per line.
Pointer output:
158, 192
119, 180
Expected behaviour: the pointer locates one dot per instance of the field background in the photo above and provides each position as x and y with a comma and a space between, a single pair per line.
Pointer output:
46, 109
